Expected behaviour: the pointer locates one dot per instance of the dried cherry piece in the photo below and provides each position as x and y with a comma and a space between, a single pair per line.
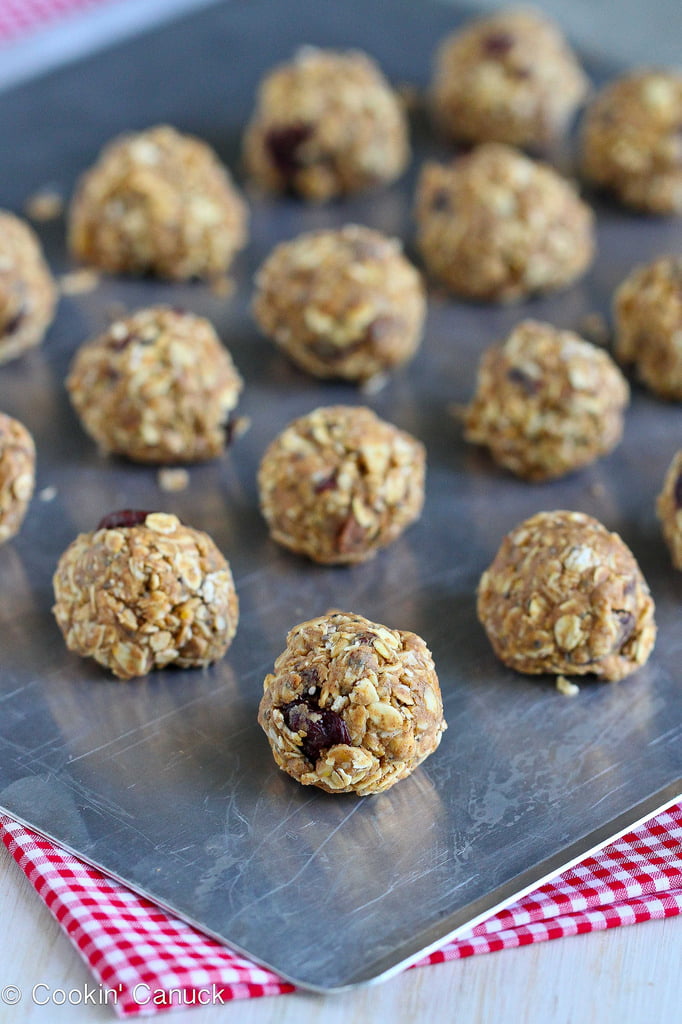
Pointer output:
282, 145
529, 384
124, 517
498, 44
323, 728
678, 491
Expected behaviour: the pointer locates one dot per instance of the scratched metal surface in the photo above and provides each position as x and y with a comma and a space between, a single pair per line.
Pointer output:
167, 782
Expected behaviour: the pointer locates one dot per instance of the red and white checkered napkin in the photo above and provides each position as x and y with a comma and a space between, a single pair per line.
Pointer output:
142, 953
21, 17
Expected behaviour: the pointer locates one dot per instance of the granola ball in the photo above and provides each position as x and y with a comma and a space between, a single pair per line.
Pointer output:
352, 706
631, 141
508, 78
343, 303
669, 508
497, 226
565, 596
547, 402
17, 475
648, 322
338, 484
158, 202
143, 591
27, 291
156, 387
326, 124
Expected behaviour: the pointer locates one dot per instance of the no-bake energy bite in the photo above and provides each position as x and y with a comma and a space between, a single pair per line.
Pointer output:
547, 402
508, 78
27, 291
352, 706
495, 225
157, 386
158, 202
342, 303
669, 508
648, 325
142, 592
631, 141
564, 595
326, 124
340, 483
17, 475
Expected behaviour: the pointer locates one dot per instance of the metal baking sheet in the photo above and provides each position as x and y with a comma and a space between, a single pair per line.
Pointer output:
167, 782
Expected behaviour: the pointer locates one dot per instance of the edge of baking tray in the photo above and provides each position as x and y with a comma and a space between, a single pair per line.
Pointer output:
450, 927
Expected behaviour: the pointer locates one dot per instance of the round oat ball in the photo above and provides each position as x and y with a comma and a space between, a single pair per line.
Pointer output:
547, 402
511, 77
631, 141
669, 508
343, 303
563, 595
648, 322
326, 124
156, 387
352, 706
497, 226
27, 292
143, 591
158, 202
338, 484
17, 475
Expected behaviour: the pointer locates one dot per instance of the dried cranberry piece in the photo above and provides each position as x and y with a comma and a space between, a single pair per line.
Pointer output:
282, 145
441, 200
529, 384
498, 44
124, 517
15, 321
678, 492
327, 484
351, 535
626, 627
323, 728
382, 327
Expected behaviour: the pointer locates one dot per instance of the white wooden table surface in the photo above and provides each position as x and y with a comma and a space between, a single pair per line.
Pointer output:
623, 976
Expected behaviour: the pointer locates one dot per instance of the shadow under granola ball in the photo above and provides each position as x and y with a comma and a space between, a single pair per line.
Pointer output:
342, 303
547, 402
157, 386
326, 124
352, 706
631, 141
158, 202
511, 77
648, 325
497, 226
340, 483
142, 592
27, 291
564, 595
17, 475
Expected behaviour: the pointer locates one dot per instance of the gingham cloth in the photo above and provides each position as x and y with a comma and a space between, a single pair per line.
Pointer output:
21, 17
153, 962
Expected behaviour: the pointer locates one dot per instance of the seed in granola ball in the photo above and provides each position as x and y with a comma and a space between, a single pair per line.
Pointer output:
156, 387
507, 78
343, 303
17, 475
338, 484
352, 706
158, 202
498, 226
669, 508
547, 402
145, 593
565, 596
326, 124
648, 321
631, 140
27, 291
